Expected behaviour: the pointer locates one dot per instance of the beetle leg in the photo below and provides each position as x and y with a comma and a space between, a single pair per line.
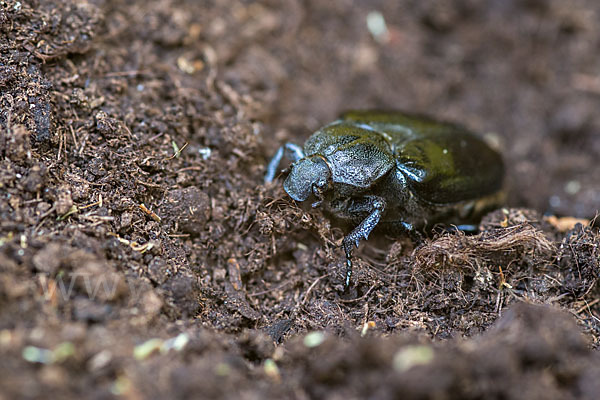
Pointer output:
291, 150
318, 193
319, 198
375, 205
468, 228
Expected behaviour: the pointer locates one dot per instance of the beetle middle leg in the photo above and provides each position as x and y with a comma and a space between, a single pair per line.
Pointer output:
291, 151
375, 206
469, 229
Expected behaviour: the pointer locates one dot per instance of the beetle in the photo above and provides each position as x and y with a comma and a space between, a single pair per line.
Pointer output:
392, 169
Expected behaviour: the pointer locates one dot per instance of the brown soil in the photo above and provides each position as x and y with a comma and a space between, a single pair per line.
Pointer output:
142, 257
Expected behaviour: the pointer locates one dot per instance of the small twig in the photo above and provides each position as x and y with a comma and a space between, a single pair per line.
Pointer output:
73, 136
284, 284
150, 213
193, 168
142, 248
358, 298
587, 306
97, 203
130, 73
154, 185
177, 150
310, 288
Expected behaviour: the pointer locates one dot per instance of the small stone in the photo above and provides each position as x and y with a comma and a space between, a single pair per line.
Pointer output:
158, 270
126, 220
64, 202
34, 181
151, 304
88, 310
48, 259
189, 208
42, 208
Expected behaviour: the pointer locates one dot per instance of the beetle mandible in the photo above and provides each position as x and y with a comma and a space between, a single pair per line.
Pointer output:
393, 169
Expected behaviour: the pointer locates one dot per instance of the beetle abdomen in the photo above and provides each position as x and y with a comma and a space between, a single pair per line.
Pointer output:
451, 168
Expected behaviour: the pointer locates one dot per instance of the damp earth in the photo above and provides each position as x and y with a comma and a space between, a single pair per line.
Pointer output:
141, 255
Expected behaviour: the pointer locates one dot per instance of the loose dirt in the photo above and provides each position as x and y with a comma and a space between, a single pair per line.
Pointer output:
141, 256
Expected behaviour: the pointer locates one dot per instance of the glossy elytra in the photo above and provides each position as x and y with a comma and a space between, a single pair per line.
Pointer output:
392, 169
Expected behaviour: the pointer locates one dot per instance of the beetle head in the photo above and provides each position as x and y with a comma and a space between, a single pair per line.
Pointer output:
310, 175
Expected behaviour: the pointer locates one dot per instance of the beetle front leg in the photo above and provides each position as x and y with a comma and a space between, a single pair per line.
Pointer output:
375, 206
291, 150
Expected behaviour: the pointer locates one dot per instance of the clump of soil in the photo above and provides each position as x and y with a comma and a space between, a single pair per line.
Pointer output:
141, 254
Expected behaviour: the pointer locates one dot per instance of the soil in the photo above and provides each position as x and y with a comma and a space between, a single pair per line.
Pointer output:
141, 256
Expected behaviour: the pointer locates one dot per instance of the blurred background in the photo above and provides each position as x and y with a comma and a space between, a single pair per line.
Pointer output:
526, 73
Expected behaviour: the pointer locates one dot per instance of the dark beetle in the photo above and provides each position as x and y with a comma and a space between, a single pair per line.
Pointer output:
393, 169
